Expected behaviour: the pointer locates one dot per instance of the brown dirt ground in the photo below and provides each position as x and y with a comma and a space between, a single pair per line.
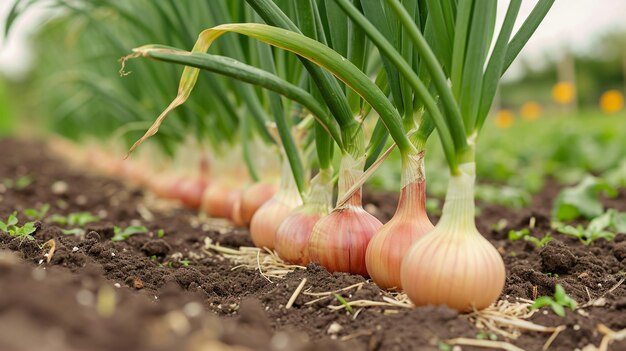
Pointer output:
169, 293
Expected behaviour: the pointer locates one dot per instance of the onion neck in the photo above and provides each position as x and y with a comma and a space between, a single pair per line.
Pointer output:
321, 194
288, 190
412, 200
350, 171
459, 208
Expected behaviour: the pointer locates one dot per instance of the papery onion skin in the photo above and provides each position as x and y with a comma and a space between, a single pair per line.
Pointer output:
339, 240
253, 198
231, 202
161, 186
267, 219
218, 199
191, 192
454, 265
292, 237
390, 244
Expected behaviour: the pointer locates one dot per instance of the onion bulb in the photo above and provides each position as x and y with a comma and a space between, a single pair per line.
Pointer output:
161, 185
252, 198
454, 265
339, 240
292, 236
219, 198
271, 214
389, 245
191, 191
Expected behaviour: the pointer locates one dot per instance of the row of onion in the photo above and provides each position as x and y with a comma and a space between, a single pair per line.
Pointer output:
450, 263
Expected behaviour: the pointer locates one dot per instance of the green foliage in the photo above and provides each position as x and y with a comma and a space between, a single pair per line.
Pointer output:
75, 219
73, 231
503, 195
524, 234
37, 214
120, 234
617, 176
344, 303
558, 304
21, 182
160, 233
487, 336
605, 226
442, 346
6, 118
582, 199
11, 227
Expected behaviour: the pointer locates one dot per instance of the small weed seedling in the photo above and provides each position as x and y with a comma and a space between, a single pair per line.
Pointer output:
184, 263
604, 226
73, 231
19, 183
11, 227
37, 214
500, 225
75, 219
487, 336
160, 233
120, 234
344, 303
558, 304
525, 235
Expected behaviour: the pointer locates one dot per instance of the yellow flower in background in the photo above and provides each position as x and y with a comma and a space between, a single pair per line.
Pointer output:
530, 111
563, 92
611, 101
504, 118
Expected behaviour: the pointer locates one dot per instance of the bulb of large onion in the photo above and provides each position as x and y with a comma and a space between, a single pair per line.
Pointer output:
292, 236
339, 240
389, 245
454, 265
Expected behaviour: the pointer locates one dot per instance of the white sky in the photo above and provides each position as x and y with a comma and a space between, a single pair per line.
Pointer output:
571, 24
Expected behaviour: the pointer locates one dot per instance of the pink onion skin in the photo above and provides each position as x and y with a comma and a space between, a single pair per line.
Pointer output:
161, 186
460, 271
266, 221
292, 236
454, 264
218, 199
232, 201
389, 245
339, 241
191, 191
253, 198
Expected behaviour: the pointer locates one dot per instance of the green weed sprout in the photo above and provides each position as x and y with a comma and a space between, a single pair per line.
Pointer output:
123, 234
558, 304
524, 234
11, 227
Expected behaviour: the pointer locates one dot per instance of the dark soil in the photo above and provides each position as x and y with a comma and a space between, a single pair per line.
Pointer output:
153, 292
